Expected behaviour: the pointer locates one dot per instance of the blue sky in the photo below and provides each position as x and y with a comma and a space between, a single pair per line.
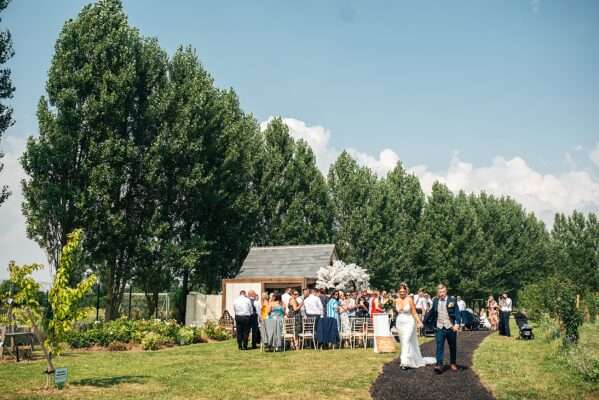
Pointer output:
500, 96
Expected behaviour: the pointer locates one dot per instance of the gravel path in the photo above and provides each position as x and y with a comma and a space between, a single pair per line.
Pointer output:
424, 384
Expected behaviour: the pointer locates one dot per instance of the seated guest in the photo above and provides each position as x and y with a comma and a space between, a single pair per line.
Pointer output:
276, 309
313, 305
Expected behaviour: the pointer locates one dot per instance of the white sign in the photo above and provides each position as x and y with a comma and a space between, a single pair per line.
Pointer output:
60, 377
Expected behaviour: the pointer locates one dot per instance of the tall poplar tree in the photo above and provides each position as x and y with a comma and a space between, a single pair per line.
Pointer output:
294, 199
97, 120
6, 91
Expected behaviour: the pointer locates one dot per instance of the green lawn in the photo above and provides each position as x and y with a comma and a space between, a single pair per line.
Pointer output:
518, 370
203, 371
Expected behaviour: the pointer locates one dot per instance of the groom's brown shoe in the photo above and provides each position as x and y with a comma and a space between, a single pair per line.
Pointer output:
454, 367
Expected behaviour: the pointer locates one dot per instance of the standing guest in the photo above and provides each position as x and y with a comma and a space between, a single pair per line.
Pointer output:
294, 313
255, 330
492, 312
462, 309
344, 310
376, 305
333, 308
362, 306
313, 305
242, 306
264, 306
276, 310
324, 299
505, 307
304, 296
286, 297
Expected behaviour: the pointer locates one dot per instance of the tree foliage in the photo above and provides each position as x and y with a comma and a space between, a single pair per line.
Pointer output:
64, 301
6, 90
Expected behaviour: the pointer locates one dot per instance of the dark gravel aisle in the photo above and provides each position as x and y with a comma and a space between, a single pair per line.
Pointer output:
424, 384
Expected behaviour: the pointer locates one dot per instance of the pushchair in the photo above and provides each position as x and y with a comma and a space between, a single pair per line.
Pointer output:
525, 329
470, 320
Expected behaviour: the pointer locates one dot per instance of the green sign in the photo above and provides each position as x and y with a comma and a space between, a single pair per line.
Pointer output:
60, 377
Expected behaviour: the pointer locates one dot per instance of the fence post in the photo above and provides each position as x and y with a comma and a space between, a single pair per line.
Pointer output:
97, 302
130, 290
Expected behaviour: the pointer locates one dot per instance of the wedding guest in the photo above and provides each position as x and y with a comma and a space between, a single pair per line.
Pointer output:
376, 306
242, 307
304, 296
276, 309
313, 305
462, 310
264, 306
492, 312
255, 330
324, 299
344, 310
293, 312
505, 308
286, 297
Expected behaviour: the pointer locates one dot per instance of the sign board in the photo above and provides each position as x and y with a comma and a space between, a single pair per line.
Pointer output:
60, 377
384, 342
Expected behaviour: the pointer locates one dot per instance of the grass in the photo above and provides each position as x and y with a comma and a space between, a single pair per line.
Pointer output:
519, 369
203, 371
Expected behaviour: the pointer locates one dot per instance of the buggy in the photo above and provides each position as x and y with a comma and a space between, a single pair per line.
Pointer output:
523, 326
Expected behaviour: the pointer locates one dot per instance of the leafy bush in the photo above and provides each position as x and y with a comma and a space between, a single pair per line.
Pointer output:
213, 331
199, 336
557, 297
583, 362
185, 336
117, 346
151, 341
548, 328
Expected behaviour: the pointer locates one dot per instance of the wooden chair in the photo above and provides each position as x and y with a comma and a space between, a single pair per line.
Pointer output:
308, 331
288, 331
369, 332
358, 331
345, 334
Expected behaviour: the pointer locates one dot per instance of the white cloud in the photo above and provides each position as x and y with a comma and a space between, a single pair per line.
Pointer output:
544, 194
594, 155
319, 137
14, 244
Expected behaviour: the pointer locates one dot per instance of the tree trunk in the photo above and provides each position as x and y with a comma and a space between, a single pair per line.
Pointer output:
41, 338
182, 306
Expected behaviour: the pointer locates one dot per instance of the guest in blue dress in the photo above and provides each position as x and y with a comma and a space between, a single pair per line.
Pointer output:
277, 310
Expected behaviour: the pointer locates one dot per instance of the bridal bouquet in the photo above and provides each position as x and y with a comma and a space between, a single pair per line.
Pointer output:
389, 304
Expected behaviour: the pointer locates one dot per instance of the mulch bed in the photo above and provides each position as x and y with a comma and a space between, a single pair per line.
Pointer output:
424, 384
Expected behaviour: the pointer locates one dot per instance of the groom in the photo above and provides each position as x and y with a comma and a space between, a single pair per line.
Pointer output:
445, 316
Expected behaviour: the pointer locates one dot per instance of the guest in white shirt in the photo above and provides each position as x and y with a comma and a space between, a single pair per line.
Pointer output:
254, 318
242, 306
313, 305
505, 308
285, 298
300, 299
462, 308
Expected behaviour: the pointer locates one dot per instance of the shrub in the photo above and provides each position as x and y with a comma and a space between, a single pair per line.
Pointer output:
583, 362
117, 346
199, 336
152, 341
185, 336
215, 332
548, 328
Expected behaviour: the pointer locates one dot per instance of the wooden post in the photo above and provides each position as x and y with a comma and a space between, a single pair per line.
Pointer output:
577, 301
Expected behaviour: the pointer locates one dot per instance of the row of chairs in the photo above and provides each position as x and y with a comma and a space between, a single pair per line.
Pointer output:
361, 331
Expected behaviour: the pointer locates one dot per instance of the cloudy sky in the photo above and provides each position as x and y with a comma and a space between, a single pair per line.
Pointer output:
495, 96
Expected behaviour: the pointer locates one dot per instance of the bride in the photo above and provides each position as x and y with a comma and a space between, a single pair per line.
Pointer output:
407, 322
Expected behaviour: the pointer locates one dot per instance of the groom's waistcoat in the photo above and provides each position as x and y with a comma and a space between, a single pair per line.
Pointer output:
452, 311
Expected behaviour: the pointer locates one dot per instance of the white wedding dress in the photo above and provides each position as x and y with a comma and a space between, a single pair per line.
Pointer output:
410, 356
